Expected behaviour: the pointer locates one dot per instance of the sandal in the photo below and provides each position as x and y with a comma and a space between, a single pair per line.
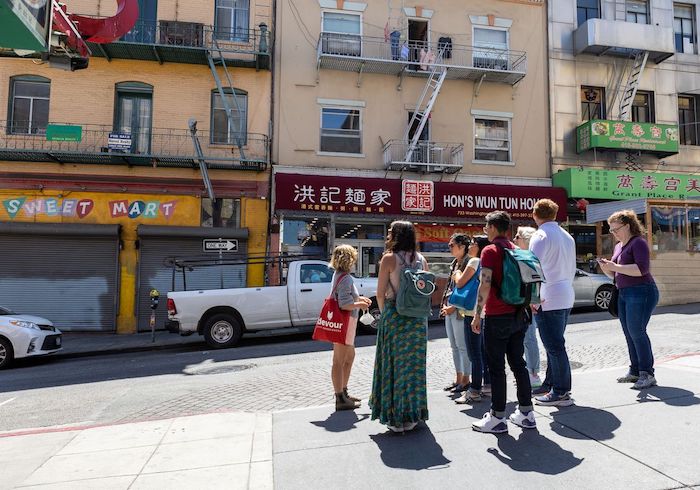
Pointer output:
450, 387
468, 397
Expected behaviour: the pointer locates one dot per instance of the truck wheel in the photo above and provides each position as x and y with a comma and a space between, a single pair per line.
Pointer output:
6, 353
222, 331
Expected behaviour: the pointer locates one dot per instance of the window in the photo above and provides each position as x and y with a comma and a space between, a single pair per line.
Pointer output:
312, 273
592, 103
29, 106
684, 28
688, 120
305, 235
587, 9
232, 18
490, 48
643, 107
342, 33
225, 131
637, 11
492, 140
223, 212
134, 114
341, 130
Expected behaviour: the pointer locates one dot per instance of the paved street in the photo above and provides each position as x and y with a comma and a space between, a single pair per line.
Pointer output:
289, 377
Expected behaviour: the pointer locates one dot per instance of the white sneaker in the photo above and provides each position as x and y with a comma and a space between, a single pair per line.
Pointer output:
522, 420
491, 424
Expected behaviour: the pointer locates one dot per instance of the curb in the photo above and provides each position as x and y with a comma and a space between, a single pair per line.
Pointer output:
121, 350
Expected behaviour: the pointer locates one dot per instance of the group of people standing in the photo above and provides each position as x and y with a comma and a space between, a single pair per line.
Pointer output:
483, 338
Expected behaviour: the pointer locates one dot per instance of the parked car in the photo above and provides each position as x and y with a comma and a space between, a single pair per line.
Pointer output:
592, 290
222, 316
26, 336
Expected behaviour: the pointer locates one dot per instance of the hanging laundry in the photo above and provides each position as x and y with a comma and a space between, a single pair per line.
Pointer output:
404, 51
445, 44
395, 45
386, 32
426, 58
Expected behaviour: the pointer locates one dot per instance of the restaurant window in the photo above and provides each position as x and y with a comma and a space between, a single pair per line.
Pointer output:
231, 20
592, 103
643, 107
637, 11
341, 130
694, 228
222, 212
305, 235
225, 131
688, 119
492, 140
587, 9
29, 104
347, 231
669, 229
684, 27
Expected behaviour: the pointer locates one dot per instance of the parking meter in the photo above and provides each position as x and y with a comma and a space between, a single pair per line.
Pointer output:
155, 299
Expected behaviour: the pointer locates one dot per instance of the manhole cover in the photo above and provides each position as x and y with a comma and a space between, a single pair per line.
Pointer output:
217, 369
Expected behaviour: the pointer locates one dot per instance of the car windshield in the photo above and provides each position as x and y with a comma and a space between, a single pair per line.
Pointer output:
5, 311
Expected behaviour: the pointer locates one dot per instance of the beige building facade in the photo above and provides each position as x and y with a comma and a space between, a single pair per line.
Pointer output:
101, 182
350, 78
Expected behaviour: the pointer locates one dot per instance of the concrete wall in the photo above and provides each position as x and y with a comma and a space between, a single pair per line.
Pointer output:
299, 85
677, 275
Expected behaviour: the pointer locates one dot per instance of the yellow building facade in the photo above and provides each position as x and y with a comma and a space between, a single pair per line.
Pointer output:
100, 182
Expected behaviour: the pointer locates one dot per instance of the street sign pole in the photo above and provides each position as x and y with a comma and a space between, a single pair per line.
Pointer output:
221, 267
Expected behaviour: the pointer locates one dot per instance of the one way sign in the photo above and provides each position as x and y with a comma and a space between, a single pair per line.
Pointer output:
220, 245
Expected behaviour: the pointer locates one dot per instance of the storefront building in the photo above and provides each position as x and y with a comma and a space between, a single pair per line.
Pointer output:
317, 212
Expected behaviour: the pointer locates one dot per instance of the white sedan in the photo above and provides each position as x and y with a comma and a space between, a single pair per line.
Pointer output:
26, 336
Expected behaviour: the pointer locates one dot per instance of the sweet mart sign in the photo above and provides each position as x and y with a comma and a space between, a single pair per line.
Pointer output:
621, 184
661, 139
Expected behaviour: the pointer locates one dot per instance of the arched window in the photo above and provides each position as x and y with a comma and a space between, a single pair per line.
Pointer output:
134, 113
223, 130
29, 104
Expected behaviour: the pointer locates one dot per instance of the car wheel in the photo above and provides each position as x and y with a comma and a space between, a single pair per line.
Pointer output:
602, 298
222, 331
6, 353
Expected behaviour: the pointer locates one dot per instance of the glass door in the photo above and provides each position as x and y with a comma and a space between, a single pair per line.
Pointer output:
368, 258
134, 117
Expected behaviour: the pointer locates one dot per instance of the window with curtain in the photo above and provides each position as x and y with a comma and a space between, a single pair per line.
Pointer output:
592, 103
684, 28
342, 33
340, 130
490, 48
29, 104
225, 130
232, 19
688, 119
637, 11
492, 140
643, 107
587, 9
134, 114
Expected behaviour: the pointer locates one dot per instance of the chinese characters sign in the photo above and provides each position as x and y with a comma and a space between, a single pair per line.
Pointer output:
661, 139
409, 197
621, 184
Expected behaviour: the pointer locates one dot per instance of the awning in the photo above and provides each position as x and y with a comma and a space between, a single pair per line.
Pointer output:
602, 211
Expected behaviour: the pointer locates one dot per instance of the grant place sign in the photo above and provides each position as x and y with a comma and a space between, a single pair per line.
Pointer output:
661, 139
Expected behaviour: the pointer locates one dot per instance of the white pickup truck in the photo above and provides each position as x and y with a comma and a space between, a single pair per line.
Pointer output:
224, 315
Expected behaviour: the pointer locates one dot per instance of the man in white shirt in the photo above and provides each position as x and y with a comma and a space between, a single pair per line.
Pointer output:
556, 250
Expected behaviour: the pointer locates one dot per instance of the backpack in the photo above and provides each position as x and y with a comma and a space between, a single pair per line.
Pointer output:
522, 277
415, 288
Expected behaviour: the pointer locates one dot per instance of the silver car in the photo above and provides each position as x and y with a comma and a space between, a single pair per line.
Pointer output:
592, 289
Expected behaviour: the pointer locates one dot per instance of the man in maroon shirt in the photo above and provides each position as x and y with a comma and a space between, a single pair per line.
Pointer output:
504, 331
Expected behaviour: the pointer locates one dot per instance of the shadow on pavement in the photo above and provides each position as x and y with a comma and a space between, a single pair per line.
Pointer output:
602, 423
341, 421
532, 452
394, 451
677, 397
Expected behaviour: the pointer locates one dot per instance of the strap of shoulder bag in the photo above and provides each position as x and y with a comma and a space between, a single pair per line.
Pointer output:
337, 282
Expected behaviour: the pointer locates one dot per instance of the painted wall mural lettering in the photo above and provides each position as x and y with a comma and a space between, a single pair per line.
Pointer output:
21, 206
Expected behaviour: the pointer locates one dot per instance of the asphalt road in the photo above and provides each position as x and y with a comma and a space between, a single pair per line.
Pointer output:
264, 374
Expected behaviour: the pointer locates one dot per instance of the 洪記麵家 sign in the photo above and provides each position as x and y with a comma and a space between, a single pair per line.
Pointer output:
661, 139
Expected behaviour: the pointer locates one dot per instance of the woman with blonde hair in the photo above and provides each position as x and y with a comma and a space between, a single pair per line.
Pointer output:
343, 260
638, 296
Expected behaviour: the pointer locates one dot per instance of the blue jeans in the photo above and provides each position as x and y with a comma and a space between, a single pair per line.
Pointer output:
552, 325
635, 304
532, 350
477, 354
455, 332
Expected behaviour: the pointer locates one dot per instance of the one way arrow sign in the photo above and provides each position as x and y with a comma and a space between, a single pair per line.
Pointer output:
220, 245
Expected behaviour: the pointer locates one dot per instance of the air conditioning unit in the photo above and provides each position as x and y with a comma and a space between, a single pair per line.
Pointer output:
176, 33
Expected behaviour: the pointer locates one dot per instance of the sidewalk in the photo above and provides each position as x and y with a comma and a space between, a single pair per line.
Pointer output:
614, 437
81, 344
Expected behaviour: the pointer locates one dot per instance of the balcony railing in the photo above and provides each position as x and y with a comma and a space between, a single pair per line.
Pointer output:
356, 53
428, 156
159, 147
188, 42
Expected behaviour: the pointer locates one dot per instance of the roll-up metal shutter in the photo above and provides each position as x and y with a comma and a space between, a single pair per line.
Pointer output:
67, 273
157, 244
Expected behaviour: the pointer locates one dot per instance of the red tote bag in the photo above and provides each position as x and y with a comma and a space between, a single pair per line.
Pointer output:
332, 323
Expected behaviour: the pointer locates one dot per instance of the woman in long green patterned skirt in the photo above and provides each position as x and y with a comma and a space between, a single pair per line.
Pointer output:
399, 398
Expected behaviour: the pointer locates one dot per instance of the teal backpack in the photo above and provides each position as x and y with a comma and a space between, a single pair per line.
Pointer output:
522, 277
415, 288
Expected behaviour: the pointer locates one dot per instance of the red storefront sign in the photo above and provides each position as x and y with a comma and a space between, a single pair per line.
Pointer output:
297, 192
